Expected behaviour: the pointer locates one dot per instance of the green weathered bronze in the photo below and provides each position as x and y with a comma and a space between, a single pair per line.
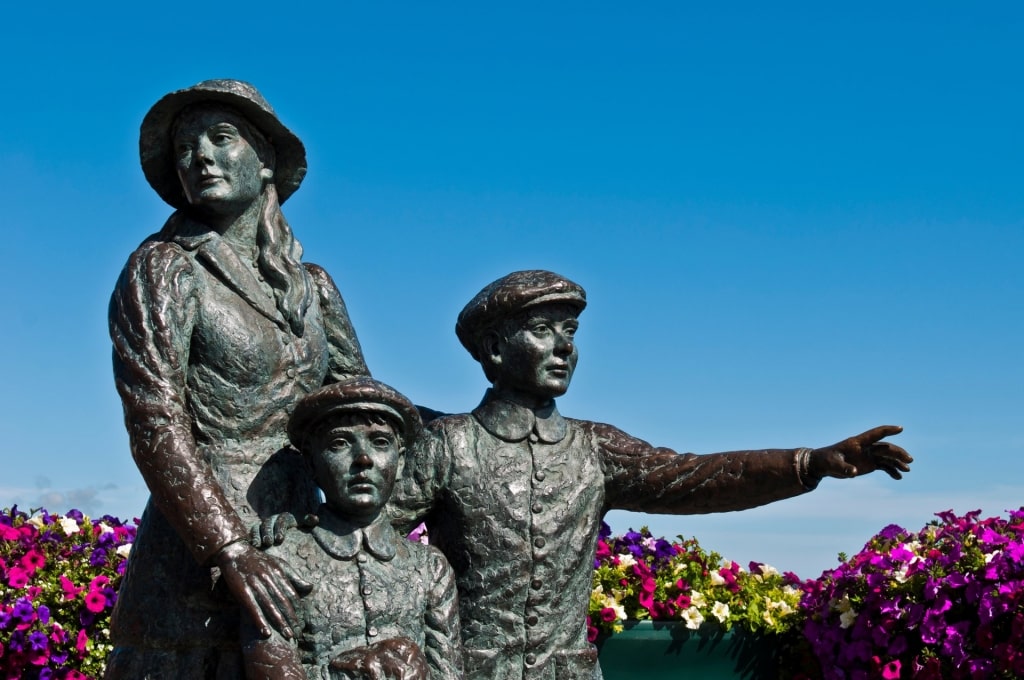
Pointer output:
218, 329
513, 493
375, 597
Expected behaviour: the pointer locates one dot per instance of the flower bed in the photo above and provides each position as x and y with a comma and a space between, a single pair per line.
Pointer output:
638, 576
944, 602
58, 582
694, 597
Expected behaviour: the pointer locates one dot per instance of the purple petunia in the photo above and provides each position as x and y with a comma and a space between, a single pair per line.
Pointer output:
945, 602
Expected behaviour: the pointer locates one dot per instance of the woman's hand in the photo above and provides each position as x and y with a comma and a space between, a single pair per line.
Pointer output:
263, 587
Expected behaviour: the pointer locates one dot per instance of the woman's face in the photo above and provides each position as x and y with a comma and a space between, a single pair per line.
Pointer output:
217, 164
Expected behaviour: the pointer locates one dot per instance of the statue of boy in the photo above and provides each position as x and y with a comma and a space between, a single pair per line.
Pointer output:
381, 606
513, 493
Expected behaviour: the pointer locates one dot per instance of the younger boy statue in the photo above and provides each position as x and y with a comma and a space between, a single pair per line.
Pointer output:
381, 607
513, 493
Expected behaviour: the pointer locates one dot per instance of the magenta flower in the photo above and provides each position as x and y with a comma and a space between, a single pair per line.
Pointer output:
81, 642
70, 589
17, 577
95, 602
33, 560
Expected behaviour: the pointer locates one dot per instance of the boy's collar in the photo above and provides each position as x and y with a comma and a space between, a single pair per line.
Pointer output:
514, 422
342, 539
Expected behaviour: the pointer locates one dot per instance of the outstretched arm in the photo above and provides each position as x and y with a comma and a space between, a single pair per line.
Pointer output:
648, 479
645, 478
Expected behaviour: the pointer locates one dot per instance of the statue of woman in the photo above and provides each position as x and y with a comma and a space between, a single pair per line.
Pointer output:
218, 330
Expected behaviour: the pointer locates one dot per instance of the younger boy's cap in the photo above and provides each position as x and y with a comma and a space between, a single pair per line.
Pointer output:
511, 294
356, 395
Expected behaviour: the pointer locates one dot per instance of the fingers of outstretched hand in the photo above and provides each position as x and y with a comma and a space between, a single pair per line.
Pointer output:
877, 433
892, 459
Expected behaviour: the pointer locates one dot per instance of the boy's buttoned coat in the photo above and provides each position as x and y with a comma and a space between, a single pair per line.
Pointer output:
514, 498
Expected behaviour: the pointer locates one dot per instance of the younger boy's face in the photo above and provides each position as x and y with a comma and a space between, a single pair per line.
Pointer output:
538, 352
355, 466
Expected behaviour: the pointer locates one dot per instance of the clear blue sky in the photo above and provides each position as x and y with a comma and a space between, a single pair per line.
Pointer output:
793, 223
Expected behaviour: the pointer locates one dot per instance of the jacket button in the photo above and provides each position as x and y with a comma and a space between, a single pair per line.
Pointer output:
531, 620
530, 659
537, 508
539, 542
536, 584
539, 476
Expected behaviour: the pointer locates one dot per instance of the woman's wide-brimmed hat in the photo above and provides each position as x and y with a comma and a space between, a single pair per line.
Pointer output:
156, 146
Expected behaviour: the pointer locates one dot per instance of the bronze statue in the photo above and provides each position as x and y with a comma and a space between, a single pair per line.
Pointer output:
513, 493
218, 330
378, 598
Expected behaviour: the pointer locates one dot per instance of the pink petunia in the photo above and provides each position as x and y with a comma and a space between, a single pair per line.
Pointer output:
33, 560
95, 601
891, 670
8, 533
71, 591
80, 642
17, 577
58, 636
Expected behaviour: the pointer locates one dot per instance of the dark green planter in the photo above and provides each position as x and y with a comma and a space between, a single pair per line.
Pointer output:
656, 650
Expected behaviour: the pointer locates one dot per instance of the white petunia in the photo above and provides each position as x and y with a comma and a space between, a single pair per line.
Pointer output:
843, 605
692, 618
626, 560
720, 611
847, 618
124, 550
716, 579
69, 525
697, 599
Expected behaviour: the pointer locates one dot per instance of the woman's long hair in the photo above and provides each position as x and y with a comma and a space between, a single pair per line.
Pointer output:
279, 258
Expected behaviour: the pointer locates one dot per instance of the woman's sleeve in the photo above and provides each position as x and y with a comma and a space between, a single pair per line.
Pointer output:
152, 313
346, 356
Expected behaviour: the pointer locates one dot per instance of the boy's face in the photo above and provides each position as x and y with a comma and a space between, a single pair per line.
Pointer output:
537, 355
355, 466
